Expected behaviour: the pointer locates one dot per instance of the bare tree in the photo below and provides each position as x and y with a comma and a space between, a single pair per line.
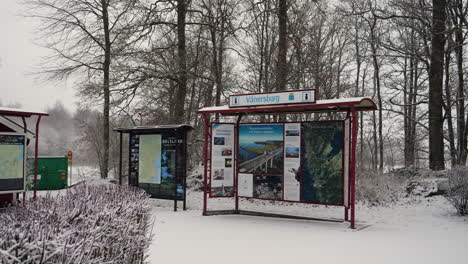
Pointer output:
85, 35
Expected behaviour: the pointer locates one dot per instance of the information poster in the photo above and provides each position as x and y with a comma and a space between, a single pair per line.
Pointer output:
222, 160
157, 164
170, 146
150, 159
292, 161
261, 149
12, 155
322, 162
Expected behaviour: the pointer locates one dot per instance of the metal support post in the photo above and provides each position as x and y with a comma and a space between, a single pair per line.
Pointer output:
36, 149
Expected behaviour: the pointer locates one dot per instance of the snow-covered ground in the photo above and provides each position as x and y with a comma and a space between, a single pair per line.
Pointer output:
413, 231
416, 230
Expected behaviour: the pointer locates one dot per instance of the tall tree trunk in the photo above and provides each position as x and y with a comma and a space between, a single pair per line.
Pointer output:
436, 122
106, 88
282, 67
461, 134
448, 104
377, 91
181, 61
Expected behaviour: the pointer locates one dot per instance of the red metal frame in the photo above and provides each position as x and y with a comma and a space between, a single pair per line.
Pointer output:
205, 160
351, 111
288, 91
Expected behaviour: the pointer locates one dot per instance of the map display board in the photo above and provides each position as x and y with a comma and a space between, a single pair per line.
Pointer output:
12, 162
297, 162
157, 164
150, 161
322, 162
222, 160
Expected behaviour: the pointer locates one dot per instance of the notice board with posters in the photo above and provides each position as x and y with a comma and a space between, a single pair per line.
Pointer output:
297, 162
157, 164
12, 162
222, 160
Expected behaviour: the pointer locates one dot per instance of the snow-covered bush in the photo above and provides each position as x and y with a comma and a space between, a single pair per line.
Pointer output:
458, 188
375, 189
195, 179
85, 224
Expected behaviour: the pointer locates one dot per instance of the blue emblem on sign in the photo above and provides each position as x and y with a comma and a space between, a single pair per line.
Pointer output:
235, 100
291, 96
306, 96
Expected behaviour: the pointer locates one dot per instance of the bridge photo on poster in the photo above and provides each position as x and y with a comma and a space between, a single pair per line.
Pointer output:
261, 149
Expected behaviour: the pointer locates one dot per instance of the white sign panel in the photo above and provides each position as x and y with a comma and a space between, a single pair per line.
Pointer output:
277, 98
245, 185
292, 161
222, 160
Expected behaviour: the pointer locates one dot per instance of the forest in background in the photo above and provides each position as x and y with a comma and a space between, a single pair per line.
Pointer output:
139, 62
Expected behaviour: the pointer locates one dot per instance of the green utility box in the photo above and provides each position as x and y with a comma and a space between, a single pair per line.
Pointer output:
52, 173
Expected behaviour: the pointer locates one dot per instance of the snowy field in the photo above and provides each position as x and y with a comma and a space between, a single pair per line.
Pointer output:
414, 231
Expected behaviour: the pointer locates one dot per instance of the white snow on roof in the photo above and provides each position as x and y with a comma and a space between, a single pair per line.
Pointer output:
22, 110
356, 100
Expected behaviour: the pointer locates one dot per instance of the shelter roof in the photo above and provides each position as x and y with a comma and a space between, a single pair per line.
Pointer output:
21, 112
153, 128
328, 105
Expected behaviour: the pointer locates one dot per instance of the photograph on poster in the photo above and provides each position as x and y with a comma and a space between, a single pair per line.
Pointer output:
322, 162
292, 182
292, 133
228, 163
218, 174
292, 152
226, 152
261, 148
168, 168
218, 140
268, 187
222, 191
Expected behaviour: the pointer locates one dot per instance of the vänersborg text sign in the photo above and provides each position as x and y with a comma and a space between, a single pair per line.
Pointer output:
275, 98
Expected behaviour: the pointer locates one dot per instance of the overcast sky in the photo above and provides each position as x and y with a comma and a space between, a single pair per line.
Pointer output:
19, 57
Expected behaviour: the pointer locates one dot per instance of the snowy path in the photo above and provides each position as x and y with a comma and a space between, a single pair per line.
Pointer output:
423, 232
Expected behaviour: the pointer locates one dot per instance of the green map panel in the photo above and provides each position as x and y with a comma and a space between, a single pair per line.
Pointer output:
150, 159
322, 162
11, 161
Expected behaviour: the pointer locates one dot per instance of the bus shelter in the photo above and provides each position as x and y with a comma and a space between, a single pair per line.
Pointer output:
14, 140
157, 160
307, 161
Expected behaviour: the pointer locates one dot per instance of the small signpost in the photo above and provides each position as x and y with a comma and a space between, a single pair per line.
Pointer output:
70, 157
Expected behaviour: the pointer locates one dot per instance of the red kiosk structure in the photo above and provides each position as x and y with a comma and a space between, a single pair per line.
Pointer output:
280, 168
13, 122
